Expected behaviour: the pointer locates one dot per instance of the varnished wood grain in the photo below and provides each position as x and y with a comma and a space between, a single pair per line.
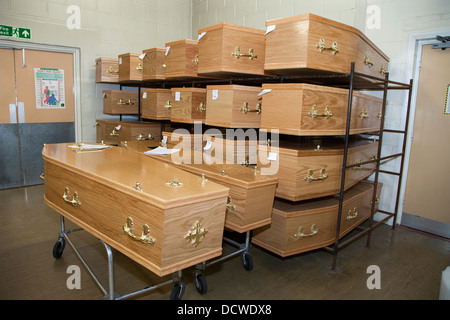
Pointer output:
153, 106
185, 110
179, 59
111, 99
154, 64
102, 68
130, 70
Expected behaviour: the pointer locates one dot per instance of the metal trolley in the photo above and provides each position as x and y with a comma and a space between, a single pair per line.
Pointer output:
58, 249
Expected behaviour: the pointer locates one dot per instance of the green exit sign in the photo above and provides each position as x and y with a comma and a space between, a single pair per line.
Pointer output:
15, 32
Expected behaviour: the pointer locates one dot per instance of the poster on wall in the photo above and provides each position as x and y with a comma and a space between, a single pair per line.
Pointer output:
49, 86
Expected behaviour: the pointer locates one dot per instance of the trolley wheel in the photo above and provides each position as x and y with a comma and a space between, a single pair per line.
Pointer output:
58, 248
177, 291
200, 283
247, 261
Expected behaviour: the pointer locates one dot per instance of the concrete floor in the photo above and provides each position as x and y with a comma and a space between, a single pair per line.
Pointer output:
410, 263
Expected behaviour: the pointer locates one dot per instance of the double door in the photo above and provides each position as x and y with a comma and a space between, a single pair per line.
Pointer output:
36, 107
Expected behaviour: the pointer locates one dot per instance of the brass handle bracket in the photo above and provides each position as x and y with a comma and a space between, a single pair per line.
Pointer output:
74, 201
310, 177
246, 109
301, 234
123, 103
237, 53
315, 113
145, 237
321, 46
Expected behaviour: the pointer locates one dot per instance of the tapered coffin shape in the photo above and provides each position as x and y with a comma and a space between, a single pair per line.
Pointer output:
233, 106
305, 110
308, 225
113, 132
159, 216
107, 70
154, 64
120, 102
313, 168
251, 192
311, 43
155, 104
131, 67
188, 105
230, 50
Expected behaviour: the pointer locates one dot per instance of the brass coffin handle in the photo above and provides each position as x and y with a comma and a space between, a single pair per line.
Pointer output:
195, 60
380, 115
168, 105
74, 201
145, 237
114, 133
315, 113
356, 168
246, 109
143, 137
352, 214
110, 70
230, 205
301, 234
383, 70
139, 67
368, 62
321, 46
364, 114
202, 107
310, 177
237, 53
123, 103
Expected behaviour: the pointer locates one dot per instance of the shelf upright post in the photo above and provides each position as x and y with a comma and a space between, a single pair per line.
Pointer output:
344, 165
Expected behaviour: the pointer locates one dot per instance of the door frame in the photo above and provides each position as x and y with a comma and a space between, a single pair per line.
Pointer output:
416, 42
11, 44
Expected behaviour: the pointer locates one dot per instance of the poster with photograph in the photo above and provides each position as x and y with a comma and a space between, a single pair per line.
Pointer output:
49, 85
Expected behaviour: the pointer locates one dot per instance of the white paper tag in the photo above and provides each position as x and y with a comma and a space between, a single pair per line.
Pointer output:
208, 145
272, 156
177, 96
164, 139
120, 60
167, 50
144, 95
215, 94
264, 92
12, 113
270, 28
201, 35
104, 95
142, 56
118, 127
21, 110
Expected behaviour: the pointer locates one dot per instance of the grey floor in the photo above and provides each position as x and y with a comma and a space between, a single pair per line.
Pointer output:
410, 263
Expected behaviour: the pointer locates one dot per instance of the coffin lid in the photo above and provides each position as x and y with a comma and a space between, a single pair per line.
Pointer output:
234, 87
189, 89
181, 42
106, 59
316, 18
130, 54
120, 168
232, 27
154, 50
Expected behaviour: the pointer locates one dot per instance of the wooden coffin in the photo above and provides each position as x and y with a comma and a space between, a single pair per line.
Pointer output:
251, 193
308, 225
309, 42
120, 102
112, 132
188, 105
225, 149
313, 168
233, 106
181, 59
140, 145
107, 70
130, 67
154, 64
230, 50
304, 110
155, 104
177, 220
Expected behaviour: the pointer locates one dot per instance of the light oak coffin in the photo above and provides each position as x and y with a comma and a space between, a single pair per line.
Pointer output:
107, 70
251, 193
233, 106
308, 225
313, 168
306, 110
230, 50
174, 226
188, 105
154, 64
120, 102
155, 104
309, 42
130, 67
181, 59
112, 132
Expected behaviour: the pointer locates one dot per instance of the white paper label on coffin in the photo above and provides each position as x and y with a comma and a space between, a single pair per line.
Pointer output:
161, 151
270, 28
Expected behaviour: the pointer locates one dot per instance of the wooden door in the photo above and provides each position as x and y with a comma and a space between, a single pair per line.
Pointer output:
37, 107
427, 195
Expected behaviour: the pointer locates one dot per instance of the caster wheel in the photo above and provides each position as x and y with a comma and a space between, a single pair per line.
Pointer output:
247, 261
177, 291
200, 284
58, 248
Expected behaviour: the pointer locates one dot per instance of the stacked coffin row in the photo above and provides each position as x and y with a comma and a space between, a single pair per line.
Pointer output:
309, 117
